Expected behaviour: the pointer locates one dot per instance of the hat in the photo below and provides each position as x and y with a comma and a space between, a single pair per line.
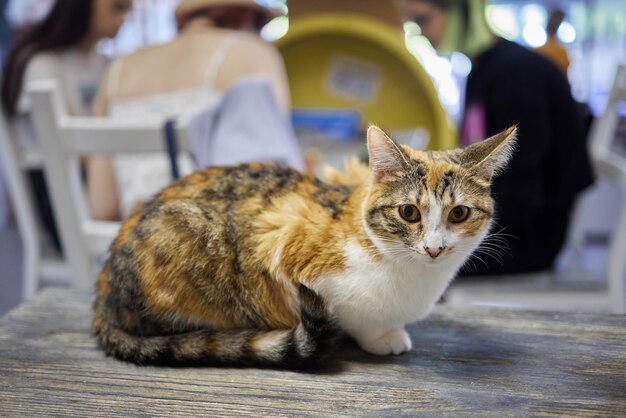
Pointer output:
186, 6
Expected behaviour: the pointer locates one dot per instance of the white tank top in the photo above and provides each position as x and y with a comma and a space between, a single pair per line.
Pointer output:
140, 176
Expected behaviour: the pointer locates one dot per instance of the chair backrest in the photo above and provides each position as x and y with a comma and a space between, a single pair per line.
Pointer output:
64, 140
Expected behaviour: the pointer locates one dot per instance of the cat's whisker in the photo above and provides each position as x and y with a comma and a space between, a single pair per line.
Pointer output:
497, 240
500, 238
384, 249
501, 234
386, 240
471, 255
470, 261
477, 257
486, 248
490, 248
495, 246
494, 250
493, 256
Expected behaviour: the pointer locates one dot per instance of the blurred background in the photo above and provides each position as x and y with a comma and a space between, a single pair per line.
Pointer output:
594, 33
338, 58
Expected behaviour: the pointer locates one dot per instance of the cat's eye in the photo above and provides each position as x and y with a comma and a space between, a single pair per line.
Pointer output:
410, 213
459, 214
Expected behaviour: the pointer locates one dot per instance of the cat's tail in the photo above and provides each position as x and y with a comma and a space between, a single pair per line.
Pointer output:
308, 344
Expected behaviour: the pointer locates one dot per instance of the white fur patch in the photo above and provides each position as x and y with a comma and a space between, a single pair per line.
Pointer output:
270, 346
396, 341
373, 297
292, 297
435, 230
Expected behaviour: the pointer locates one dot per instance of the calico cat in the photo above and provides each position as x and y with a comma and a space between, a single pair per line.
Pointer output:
260, 264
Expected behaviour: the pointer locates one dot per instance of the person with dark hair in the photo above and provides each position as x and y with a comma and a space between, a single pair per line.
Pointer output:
509, 84
218, 44
61, 47
553, 49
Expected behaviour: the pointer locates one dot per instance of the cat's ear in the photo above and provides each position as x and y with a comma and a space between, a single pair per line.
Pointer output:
488, 157
385, 155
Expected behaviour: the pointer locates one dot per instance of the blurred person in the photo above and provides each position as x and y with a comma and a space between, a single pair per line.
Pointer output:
553, 49
510, 84
60, 47
6, 34
6, 31
218, 43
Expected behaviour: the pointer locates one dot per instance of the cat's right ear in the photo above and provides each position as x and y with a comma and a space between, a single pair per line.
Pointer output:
385, 156
488, 157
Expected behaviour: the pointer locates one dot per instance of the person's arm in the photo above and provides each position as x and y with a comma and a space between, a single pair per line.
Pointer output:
101, 186
100, 103
102, 189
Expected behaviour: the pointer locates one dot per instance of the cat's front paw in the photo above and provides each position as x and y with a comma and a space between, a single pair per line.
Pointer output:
395, 341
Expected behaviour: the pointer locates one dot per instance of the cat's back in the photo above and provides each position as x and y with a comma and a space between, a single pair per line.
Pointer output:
212, 196
249, 188
216, 208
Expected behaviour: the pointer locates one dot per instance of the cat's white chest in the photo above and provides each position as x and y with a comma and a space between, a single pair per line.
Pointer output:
385, 293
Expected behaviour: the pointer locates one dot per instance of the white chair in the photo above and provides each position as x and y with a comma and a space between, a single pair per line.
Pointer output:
38, 264
64, 139
545, 291
612, 165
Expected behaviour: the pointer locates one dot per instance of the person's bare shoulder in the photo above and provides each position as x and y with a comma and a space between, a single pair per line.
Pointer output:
42, 65
145, 52
250, 43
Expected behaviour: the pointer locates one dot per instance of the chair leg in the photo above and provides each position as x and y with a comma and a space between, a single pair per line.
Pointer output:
28, 228
27, 223
31, 267
616, 270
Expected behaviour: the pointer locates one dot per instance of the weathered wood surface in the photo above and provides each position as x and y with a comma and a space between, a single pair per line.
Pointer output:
466, 362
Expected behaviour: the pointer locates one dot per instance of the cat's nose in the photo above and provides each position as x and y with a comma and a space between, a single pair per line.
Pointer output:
434, 252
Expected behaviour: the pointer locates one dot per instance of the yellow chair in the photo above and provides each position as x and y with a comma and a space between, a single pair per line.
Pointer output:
351, 61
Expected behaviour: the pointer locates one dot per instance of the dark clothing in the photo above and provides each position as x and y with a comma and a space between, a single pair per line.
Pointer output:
6, 32
550, 166
44, 206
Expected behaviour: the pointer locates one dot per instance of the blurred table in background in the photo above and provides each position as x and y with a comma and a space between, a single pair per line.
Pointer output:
465, 361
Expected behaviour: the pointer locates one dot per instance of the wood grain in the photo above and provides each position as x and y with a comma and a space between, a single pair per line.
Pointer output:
466, 362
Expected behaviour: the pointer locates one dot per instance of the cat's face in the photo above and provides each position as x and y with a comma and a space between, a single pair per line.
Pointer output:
430, 205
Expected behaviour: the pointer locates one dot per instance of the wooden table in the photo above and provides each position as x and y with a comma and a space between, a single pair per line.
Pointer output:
466, 362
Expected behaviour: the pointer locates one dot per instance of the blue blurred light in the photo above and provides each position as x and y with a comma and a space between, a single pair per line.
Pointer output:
275, 29
503, 20
566, 33
461, 64
534, 34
